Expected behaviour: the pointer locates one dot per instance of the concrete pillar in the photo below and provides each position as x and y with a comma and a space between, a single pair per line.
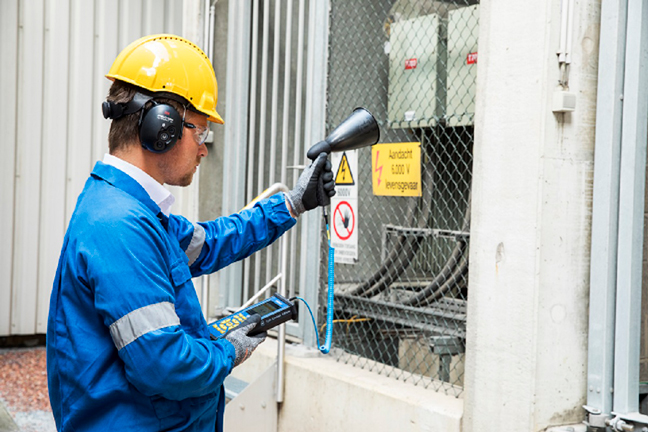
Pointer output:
530, 236
211, 169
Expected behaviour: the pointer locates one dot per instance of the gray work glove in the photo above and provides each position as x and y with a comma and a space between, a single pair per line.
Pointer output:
244, 345
315, 186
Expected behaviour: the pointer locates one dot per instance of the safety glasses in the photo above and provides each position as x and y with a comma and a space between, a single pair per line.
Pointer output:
200, 133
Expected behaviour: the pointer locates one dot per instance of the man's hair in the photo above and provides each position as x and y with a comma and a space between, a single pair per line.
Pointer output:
124, 131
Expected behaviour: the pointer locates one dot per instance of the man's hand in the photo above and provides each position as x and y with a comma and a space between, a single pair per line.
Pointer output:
314, 188
244, 345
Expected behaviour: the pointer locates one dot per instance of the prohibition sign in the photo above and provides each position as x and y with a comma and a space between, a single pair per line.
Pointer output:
343, 220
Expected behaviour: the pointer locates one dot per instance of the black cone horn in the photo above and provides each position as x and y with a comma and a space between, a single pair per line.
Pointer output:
359, 130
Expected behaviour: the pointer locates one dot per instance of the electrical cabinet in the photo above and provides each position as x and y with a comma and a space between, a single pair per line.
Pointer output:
414, 73
433, 69
463, 33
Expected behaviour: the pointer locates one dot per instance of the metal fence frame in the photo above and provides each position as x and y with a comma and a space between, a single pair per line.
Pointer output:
262, 36
617, 217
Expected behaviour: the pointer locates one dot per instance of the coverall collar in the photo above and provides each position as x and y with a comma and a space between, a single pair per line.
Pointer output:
158, 193
128, 184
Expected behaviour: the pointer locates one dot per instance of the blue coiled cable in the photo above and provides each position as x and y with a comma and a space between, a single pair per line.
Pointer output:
324, 349
329, 304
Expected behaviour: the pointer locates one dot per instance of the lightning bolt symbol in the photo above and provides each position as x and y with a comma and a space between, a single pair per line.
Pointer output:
378, 168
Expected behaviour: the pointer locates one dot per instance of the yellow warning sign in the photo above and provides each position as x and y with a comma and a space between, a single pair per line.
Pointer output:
396, 169
344, 176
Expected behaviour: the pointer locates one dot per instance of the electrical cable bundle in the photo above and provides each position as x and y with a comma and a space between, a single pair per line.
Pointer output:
405, 248
417, 215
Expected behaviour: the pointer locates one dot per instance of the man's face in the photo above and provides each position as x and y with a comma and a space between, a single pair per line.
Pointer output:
179, 164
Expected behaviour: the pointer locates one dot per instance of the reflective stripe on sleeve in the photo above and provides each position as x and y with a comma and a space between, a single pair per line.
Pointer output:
196, 244
142, 321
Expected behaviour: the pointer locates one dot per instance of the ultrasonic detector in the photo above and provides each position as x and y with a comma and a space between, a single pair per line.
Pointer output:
273, 311
359, 130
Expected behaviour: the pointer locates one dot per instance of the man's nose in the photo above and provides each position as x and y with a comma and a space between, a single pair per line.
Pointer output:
203, 150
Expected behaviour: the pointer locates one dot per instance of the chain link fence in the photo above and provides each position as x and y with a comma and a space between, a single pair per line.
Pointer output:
400, 309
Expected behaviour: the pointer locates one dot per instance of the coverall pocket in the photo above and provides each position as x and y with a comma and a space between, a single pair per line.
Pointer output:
180, 274
202, 400
187, 304
165, 408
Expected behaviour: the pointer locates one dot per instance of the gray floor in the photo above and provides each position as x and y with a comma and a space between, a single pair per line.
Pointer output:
7, 423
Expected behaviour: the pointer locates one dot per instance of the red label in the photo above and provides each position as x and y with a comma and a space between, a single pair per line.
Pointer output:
471, 58
411, 63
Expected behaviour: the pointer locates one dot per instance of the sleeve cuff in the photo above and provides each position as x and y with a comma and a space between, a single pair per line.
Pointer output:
231, 352
290, 206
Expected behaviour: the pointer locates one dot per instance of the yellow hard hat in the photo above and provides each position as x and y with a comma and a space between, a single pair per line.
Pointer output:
169, 63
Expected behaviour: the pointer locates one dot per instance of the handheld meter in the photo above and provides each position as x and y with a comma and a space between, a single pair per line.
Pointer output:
273, 311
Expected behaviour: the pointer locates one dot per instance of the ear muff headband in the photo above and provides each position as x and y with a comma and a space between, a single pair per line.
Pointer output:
114, 110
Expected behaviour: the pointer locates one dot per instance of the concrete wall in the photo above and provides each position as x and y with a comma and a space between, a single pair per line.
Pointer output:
532, 187
322, 394
211, 169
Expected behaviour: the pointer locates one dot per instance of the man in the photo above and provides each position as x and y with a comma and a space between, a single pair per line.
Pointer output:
127, 345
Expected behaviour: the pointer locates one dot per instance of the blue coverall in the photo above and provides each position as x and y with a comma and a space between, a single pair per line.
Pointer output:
128, 348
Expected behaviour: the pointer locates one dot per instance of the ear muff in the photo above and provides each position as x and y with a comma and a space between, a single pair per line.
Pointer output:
160, 127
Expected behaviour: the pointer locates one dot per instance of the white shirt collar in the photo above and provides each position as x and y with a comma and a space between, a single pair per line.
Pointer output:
158, 193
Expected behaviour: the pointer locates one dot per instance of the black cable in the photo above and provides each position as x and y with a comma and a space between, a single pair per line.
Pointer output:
377, 282
443, 282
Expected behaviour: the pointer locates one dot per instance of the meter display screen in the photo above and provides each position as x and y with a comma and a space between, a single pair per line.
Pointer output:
273, 311
263, 308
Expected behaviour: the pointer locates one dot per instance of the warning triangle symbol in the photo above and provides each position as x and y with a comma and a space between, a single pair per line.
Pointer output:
344, 175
